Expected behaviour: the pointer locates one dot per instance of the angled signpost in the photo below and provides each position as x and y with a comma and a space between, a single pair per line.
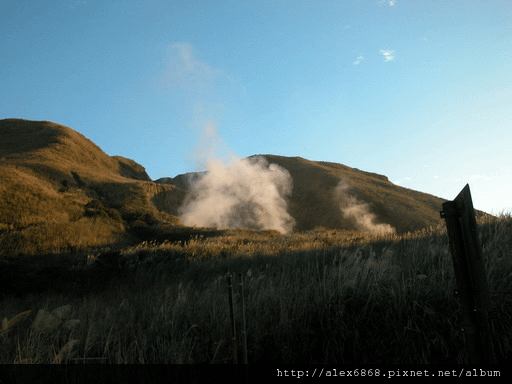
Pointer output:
473, 290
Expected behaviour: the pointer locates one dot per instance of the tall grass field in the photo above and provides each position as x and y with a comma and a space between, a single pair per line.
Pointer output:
320, 296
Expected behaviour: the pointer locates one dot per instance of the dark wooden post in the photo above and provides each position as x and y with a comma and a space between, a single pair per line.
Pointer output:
468, 265
232, 316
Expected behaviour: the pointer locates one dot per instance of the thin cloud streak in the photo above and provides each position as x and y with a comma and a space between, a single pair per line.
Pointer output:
358, 60
391, 3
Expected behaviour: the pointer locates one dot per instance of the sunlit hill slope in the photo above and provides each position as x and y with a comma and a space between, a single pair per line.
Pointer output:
61, 192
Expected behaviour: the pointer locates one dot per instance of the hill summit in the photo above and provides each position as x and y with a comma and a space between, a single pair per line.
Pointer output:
61, 192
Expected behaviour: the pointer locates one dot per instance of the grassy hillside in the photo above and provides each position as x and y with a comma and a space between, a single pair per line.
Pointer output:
61, 192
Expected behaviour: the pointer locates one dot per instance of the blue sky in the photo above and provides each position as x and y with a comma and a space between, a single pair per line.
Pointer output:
417, 90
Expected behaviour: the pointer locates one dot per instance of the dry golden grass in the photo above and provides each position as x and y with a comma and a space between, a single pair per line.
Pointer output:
9, 324
48, 321
337, 298
244, 243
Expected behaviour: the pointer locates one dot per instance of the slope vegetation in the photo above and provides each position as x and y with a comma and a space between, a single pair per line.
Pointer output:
336, 196
61, 192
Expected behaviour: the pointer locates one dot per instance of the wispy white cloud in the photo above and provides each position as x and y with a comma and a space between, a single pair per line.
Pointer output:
358, 60
389, 55
183, 70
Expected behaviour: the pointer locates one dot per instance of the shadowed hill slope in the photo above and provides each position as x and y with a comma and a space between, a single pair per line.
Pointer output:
60, 191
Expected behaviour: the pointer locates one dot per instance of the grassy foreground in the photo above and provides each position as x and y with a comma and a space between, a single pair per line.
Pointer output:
320, 296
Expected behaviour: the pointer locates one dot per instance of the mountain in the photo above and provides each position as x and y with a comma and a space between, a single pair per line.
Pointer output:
60, 191
332, 195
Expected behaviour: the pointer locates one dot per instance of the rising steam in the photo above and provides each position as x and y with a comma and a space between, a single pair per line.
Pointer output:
358, 213
247, 193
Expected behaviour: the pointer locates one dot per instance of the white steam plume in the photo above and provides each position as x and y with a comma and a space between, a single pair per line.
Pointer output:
236, 193
359, 212
247, 193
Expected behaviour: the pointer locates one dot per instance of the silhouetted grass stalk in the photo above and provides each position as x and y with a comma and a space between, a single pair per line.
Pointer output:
244, 329
232, 318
